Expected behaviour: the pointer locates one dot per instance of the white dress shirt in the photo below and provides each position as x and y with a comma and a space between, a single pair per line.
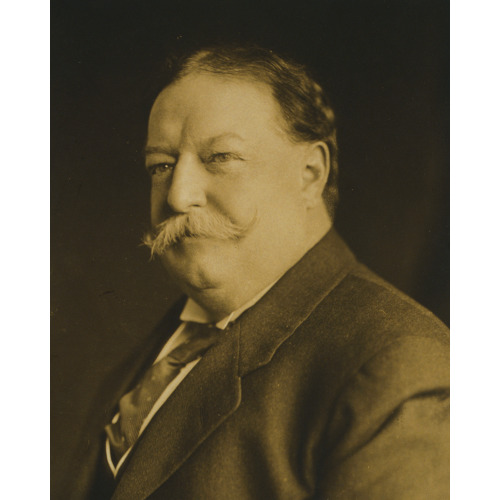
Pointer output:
192, 312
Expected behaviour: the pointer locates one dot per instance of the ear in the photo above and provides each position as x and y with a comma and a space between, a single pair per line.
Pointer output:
315, 172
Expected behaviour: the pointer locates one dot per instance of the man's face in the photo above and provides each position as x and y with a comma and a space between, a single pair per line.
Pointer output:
217, 148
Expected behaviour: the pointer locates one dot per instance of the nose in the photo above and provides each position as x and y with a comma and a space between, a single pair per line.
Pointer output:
187, 188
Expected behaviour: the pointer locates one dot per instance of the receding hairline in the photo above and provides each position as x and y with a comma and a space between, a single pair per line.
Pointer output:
247, 76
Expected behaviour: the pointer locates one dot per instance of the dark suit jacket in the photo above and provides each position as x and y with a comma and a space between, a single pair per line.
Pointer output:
333, 386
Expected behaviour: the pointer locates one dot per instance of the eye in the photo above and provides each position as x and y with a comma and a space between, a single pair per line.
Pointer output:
222, 157
159, 168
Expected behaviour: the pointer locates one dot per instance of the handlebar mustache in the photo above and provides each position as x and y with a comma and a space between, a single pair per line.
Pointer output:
175, 229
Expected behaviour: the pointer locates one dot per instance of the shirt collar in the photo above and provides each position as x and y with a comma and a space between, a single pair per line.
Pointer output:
194, 312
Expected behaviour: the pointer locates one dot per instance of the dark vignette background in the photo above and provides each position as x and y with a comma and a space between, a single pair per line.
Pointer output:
386, 67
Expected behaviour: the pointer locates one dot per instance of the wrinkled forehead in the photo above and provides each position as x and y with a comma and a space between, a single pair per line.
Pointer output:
203, 103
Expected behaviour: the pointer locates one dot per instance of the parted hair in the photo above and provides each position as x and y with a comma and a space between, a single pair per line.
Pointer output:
304, 105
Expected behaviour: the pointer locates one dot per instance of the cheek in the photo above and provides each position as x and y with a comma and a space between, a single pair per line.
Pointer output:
264, 192
159, 207
237, 197
239, 206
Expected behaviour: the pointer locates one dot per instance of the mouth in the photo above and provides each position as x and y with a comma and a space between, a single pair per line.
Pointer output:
189, 238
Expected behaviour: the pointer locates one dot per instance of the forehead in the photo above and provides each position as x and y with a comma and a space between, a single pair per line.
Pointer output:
203, 105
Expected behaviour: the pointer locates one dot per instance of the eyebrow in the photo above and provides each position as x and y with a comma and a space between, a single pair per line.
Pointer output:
227, 135
150, 150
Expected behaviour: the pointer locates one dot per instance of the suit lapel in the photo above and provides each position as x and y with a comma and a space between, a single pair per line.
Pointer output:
206, 397
290, 302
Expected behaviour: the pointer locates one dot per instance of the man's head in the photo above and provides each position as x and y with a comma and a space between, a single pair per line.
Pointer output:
242, 153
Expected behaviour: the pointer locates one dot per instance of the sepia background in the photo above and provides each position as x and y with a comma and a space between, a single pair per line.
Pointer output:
385, 65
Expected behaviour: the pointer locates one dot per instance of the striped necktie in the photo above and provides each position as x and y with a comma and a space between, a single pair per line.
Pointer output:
135, 406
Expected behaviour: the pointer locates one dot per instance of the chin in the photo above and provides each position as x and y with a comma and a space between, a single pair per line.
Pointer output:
196, 265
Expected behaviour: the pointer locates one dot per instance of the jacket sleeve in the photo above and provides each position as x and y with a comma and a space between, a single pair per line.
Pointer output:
389, 432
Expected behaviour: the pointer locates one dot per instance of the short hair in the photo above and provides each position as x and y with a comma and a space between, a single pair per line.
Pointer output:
304, 105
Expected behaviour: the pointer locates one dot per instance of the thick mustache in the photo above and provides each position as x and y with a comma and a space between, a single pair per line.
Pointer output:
200, 225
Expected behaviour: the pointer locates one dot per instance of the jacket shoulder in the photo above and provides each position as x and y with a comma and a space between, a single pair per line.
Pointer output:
365, 305
364, 321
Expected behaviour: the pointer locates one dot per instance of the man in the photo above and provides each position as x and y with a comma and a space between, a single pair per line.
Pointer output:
290, 371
